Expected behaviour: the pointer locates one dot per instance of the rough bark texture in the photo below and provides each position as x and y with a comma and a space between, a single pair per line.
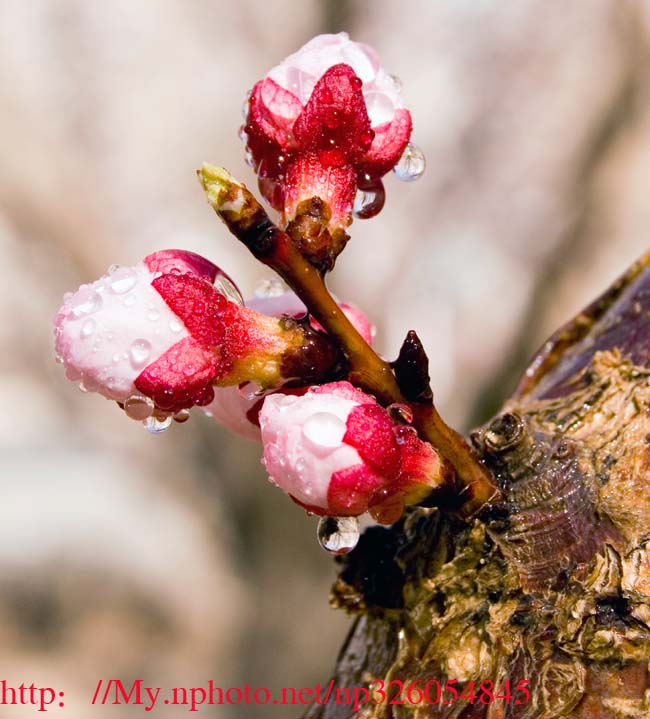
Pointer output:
554, 585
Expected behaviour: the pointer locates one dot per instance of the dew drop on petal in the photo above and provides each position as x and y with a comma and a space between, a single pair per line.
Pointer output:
139, 353
242, 134
248, 156
397, 82
369, 200
122, 280
228, 290
175, 325
246, 104
153, 314
338, 535
138, 407
270, 287
86, 302
129, 300
88, 328
411, 164
400, 413
156, 425
324, 429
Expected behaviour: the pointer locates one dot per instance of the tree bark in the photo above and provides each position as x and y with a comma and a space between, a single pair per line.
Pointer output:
551, 586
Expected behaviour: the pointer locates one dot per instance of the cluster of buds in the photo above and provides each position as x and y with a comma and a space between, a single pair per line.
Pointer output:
343, 431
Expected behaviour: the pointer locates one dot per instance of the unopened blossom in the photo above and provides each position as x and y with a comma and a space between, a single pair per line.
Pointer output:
336, 451
237, 408
165, 331
327, 120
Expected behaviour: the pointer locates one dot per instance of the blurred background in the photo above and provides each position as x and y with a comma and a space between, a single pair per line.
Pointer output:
171, 558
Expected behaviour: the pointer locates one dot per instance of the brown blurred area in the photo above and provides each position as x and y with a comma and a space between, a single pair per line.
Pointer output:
171, 558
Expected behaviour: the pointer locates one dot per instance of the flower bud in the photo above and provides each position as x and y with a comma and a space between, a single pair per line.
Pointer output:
237, 408
326, 120
165, 332
336, 451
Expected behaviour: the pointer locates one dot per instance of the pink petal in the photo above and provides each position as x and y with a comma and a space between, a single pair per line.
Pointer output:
370, 432
388, 145
180, 378
351, 490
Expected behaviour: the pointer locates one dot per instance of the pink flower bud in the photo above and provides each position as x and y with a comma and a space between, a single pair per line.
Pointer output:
162, 332
237, 408
335, 451
323, 121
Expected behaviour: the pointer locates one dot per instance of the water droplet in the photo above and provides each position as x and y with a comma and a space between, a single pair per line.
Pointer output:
400, 413
356, 82
388, 507
248, 156
369, 200
338, 535
88, 384
153, 315
270, 287
397, 82
122, 280
182, 416
116, 358
72, 373
246, 104
88, 328
324, 429
86, 302
411, 164
138, 407
112, 269
156, 425
139, 353
129, 300
242, 134
175, 325
228, 290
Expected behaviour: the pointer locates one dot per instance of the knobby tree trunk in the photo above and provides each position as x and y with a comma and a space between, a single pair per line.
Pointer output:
553, 586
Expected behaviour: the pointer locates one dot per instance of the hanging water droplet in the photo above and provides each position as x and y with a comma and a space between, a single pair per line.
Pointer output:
86, 302
87, 328
228, 290
175, 325
112, 269
88, 384
139, 353
270, 287
122, 280
411, 164
138, 407
369, 200
338, 535
182, 416
156, 425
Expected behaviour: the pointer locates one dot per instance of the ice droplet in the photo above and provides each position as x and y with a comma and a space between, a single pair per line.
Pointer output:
338, 535
122, 280
139, 353
324, 429
86, 302
138, 407
369, 200
411, 164
228, 290
156, 425
88, 328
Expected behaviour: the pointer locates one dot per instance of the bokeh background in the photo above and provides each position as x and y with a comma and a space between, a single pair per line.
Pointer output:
171, 558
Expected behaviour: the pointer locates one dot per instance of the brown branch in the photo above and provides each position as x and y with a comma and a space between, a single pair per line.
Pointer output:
248, 221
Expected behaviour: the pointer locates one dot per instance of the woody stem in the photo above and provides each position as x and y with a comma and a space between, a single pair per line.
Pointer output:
247, 220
